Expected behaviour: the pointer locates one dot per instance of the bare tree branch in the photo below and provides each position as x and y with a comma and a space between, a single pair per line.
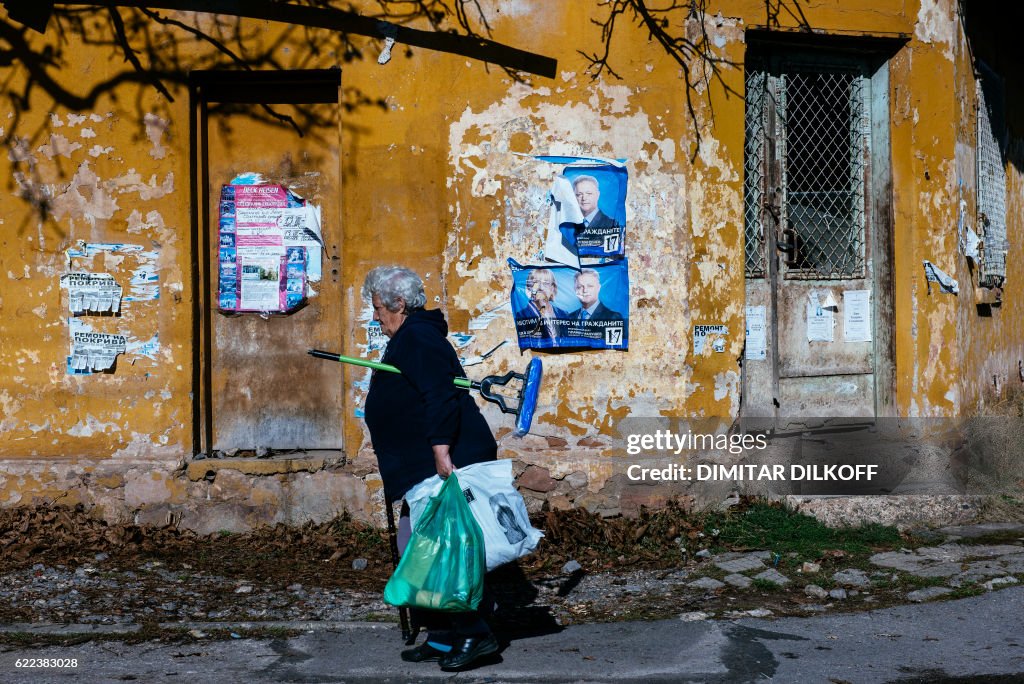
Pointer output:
131, 56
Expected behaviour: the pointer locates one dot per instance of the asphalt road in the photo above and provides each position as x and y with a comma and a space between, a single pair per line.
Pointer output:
978, 640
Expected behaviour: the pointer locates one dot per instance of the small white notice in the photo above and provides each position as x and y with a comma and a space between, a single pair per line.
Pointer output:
757, 338
857, 315
821, 322
716, 334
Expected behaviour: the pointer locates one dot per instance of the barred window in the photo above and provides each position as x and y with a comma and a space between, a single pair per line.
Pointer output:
822, 137
991, 179
754, 172
826, 136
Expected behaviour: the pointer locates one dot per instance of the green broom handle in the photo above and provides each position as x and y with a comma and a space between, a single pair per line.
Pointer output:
376, 365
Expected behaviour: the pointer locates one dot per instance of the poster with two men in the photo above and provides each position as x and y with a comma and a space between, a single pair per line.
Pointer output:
580, 299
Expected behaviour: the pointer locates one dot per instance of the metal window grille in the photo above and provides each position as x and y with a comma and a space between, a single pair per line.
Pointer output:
991, 185
754, 170
825, 123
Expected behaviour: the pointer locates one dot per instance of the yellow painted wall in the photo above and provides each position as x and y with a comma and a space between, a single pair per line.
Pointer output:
431, 180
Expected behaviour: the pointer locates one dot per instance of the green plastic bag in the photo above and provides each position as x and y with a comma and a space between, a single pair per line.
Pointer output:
444, 563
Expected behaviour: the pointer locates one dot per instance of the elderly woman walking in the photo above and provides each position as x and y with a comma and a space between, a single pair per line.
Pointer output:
420, 423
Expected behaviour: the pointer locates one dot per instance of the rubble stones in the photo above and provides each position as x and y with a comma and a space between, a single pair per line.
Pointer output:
707, 583
928, 593
571, 567
955, 561
810, 568
737, 580
744, 563
359, 564
837, 594
695, 616
537, 479
755, 613
999, 581
852, 577
814, 591
774, 576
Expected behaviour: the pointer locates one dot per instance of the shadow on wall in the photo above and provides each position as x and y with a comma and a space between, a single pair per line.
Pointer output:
159, 49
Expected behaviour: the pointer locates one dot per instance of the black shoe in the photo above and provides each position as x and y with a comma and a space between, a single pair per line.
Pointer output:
467, 651
424, 653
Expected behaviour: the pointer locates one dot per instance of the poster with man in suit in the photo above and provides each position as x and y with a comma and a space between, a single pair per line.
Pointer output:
558, 307
600, 192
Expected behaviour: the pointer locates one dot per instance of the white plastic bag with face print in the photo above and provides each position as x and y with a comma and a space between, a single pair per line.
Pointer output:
496, 505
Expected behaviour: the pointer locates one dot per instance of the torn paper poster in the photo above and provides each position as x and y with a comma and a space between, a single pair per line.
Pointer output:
376, 340
970, 244
248, 178
461, 340
829, 301
703, 334
560, 307
597, 186
95, 351
857, 315
258, 225
821, 323
474, 360
934, 274
757, 333
483, 320
560, 245
149, 348
144, 284
92, 292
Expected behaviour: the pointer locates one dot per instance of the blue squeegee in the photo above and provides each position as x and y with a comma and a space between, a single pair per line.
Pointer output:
530, 385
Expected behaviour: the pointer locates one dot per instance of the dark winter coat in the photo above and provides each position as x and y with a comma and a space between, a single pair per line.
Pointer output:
408, 414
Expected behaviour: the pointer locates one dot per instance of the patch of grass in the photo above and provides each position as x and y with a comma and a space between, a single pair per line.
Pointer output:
915, 582
765, 585
886, 582
768, 526
966, 590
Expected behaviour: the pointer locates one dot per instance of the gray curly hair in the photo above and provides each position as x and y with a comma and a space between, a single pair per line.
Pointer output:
393, 283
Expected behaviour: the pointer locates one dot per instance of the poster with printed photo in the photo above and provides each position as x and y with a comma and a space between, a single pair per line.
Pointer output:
600, 192
557, 307
269, 248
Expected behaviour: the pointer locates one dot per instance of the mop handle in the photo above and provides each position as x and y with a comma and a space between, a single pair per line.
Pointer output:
376, 365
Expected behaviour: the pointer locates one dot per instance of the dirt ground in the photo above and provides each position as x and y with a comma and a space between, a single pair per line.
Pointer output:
586, 569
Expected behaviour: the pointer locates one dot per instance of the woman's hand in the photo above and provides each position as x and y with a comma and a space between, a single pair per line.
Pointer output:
443, 461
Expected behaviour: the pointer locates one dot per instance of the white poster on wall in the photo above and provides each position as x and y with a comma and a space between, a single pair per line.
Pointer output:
857, 315
757, 338
820, 323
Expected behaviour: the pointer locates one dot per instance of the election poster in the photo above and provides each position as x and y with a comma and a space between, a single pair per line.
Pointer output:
557, 307
588, 209
600, 191
269, 249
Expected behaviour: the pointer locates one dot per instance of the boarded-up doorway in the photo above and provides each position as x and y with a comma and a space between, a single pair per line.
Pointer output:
256, 389
818, 235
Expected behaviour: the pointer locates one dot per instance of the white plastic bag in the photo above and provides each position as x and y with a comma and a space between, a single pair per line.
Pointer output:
498, 508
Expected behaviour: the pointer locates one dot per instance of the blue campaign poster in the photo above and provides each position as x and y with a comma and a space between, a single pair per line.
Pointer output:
600, 191
558, 307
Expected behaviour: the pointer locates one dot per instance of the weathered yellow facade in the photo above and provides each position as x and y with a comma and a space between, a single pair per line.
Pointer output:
427, 160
